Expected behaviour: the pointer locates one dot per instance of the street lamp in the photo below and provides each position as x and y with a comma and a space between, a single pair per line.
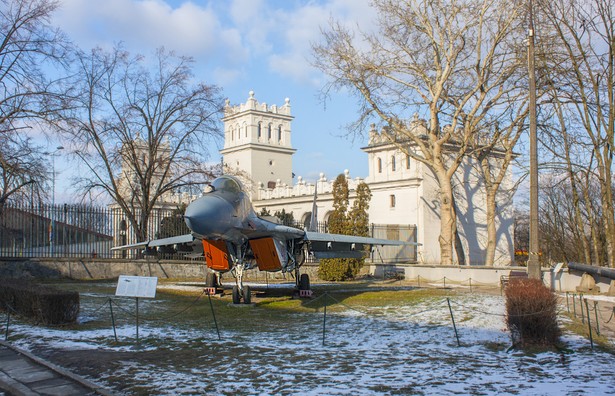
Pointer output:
52, 231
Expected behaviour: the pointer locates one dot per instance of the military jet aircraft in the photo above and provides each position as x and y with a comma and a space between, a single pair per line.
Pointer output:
233, 238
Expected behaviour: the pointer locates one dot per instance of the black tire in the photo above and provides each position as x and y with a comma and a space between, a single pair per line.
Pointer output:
210, 280
247, 297
304, 282
236, 296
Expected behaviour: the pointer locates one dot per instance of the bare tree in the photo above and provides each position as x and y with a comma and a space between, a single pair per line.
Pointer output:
450, 60
21, 166
141, 128
27, 45
581, 58
494, 155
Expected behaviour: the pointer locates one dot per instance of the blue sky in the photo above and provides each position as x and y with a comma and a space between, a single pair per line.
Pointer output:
242, 45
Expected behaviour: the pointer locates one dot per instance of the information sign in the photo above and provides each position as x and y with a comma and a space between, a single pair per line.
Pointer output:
136, 286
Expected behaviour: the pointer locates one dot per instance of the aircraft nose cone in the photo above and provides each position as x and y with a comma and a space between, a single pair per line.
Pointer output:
210, 216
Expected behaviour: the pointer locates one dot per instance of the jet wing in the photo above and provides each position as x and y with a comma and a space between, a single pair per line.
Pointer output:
325, 245
176, 240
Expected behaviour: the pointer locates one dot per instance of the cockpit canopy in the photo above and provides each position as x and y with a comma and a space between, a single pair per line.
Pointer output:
227, 184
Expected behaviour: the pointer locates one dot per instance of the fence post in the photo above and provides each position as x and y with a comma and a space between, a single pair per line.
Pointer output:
453, 319
470, 285
582, 314
567, 303
591, 339
214, 315
574, 306
324, 321
112, 320
597, 321
8, 322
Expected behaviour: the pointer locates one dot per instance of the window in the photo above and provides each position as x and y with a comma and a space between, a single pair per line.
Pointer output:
407, 161
379, 165
392, 198
259, 130
269, 132
393, 163
279, 133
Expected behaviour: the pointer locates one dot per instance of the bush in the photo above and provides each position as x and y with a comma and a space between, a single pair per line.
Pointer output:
339, 269
531, 313
42, 303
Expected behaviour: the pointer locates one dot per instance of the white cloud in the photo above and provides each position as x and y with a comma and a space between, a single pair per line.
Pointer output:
301, 27
142, 25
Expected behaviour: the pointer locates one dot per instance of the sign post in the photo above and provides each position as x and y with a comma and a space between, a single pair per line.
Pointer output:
137, 287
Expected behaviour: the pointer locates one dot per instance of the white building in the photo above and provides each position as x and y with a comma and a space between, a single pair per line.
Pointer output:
257, 145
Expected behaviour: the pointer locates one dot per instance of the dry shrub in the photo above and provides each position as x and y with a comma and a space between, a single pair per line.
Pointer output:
531, 313
44, 304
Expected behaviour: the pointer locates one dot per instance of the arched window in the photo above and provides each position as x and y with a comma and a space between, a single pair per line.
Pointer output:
393, 163
407, 161
379, 164
269, 132
392, 198
279, 133
232, 133
245, 128
260, 124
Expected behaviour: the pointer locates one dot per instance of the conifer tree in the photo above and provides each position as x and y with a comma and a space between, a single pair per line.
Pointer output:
343, 221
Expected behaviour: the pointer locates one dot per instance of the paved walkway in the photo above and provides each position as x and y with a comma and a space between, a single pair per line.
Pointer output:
22, 373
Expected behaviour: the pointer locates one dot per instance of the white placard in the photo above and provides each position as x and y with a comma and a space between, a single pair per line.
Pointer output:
136, 286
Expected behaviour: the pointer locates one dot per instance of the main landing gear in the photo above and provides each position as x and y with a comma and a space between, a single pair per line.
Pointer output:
303, 284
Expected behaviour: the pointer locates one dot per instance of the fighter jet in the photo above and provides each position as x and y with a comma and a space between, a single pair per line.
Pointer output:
234, 238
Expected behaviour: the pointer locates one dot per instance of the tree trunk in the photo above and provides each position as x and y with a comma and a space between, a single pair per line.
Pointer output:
491, 229
461, 256
446, 221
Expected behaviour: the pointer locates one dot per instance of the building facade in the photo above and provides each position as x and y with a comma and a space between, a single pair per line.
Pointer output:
404, 191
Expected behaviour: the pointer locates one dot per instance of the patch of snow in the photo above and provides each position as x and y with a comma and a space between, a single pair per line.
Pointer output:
406, 349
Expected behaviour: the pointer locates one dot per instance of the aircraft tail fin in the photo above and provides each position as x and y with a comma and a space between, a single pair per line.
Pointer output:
314, 217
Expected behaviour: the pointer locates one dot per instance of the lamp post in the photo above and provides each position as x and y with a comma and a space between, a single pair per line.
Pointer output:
533, 264
52, 231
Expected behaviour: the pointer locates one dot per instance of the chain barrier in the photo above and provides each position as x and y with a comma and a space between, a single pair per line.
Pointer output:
163, 319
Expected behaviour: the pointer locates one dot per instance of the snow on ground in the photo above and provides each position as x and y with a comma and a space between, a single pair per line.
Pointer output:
408, 349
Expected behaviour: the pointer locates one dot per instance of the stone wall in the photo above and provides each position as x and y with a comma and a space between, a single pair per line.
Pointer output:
85, 269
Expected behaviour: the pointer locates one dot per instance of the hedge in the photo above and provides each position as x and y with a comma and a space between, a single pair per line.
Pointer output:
44, 304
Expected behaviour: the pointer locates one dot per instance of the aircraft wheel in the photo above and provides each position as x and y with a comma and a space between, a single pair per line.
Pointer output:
236, 296
210, 280
247, 297
304, 282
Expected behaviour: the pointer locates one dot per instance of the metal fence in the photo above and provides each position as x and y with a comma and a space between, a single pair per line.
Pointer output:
88, 231
73, 230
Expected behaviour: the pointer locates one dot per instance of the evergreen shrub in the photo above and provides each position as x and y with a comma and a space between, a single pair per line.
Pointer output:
339, 269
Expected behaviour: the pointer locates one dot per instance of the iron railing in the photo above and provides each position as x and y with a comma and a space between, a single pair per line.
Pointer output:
91, 231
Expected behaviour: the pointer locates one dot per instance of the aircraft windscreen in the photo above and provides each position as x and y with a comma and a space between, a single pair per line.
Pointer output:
226, 184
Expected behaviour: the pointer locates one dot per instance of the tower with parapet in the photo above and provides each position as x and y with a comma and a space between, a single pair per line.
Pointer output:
257, 142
